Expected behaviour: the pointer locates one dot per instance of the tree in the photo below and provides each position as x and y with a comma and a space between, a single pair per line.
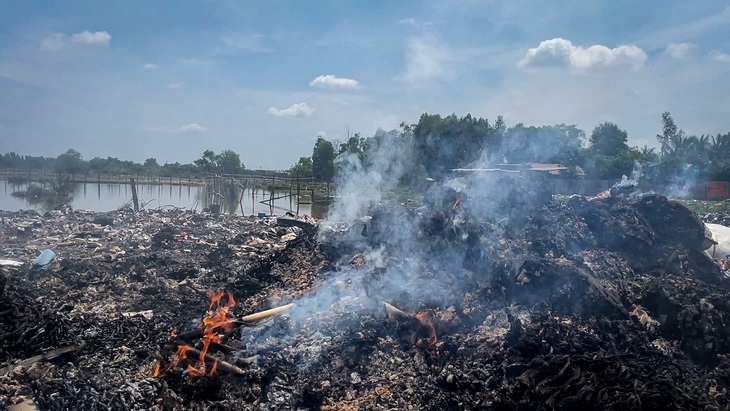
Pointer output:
151, 163
229, 162
647, 155
719, 157
670, 134
323, 160
615, 166
608, 140
354, 145
445, 143
207, 162
559, 144
70, 162
303, 167
150, 166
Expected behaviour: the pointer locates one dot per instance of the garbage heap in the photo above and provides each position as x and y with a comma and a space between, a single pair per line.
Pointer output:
483, 298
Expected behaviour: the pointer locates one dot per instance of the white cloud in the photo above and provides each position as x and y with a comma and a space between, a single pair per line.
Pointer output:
192, 127
561, 52
425, 59
719, 56
679, 50
150, 66
411, 21
187, 128
195, 62
176, 84
97, 37
298, 110
330, 81
54, 42
246, 42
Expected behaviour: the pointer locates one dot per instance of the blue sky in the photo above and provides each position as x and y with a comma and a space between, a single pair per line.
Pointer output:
169, 79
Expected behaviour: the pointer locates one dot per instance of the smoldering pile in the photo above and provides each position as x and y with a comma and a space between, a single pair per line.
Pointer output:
488, 296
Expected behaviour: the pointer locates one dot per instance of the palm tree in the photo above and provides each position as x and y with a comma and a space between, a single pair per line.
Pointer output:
648, 155
719, 157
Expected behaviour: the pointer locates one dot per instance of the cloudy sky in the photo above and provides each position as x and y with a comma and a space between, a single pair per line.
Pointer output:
171, 78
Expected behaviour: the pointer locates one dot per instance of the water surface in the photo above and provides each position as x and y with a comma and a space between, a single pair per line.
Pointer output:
112, 196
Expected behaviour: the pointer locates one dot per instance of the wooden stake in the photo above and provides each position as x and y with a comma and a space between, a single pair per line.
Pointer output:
135, 199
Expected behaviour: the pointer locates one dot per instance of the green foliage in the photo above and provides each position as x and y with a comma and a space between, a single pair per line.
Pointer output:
608, 140
207, 162
555, 144
323, 160
615, 166
648, 155
70, 162
229, 162
670, 135
451, 142
303, 167
718, 167
226, 162
356, 145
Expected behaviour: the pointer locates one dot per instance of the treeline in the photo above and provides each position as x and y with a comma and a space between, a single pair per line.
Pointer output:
72, 162
440, 144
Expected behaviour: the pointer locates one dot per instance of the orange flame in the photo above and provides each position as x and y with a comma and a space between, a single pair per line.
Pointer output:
156, 372
456, 203
425, 335
215, 300
182, 352
195, 372
211, 325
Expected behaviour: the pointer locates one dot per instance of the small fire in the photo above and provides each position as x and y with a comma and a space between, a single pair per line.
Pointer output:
156, 372
173, 333
425, 334
456, 203
213, 323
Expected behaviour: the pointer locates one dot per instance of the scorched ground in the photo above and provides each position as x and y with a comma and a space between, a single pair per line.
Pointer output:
605, 304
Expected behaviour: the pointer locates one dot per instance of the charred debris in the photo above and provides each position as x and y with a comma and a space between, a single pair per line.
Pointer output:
489, 295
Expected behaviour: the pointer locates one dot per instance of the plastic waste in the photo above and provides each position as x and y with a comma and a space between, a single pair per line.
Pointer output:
44, 260
721, 236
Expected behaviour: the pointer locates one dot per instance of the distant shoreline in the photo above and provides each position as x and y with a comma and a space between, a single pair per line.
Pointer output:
38, 176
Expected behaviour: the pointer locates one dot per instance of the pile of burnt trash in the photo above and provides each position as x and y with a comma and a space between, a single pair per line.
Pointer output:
458, 304
86, 331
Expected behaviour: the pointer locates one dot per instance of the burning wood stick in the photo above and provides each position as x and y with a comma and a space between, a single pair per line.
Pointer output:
395, 312
215, 347
224, 366
262, 315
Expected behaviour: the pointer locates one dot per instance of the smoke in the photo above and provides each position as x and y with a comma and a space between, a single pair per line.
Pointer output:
685, 183
659, 178
362, 184
413, 257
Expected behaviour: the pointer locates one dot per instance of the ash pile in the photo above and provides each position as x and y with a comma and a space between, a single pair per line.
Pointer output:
489, 295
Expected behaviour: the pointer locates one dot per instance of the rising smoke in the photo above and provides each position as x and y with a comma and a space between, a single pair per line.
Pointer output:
416, 257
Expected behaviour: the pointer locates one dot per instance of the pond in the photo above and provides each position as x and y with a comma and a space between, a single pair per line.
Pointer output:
109, 197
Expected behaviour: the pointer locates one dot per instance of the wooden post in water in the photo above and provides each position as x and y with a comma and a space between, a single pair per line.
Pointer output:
135, 199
